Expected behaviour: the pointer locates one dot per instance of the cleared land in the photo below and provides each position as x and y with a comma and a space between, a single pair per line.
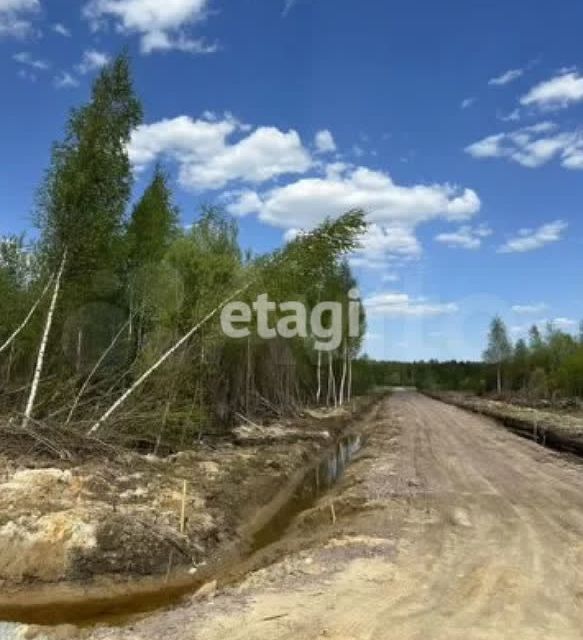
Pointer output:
448, 527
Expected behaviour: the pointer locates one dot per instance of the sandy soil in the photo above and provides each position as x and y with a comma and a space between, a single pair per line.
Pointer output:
449, 527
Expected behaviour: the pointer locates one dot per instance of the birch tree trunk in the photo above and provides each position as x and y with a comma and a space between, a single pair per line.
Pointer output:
28, 317
138, 383
79, 349
319, 370
332, 380
94, 371
248, 376
343, 379
349, 392
43, 345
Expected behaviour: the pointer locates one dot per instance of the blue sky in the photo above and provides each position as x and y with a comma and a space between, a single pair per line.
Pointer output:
455, 124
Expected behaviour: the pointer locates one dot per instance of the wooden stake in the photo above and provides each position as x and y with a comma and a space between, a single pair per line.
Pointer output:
333, 512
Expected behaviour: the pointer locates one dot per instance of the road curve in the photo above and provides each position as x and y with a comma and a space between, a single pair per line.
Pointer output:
469, 532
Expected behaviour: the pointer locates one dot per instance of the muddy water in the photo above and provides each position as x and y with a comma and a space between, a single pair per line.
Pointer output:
117, 606
316, 482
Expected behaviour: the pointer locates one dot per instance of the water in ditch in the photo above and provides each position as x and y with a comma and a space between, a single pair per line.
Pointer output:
120, 608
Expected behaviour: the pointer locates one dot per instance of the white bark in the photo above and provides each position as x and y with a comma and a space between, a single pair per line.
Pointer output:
79, 349
43, 345
94, 371
343, 379
28, 317
349, 391
319, 389
332, 380
117, 404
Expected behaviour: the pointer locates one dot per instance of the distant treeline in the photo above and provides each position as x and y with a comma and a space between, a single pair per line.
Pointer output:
546, 365
432, 374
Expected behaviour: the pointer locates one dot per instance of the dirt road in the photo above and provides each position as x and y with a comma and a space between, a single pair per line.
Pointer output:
449, 527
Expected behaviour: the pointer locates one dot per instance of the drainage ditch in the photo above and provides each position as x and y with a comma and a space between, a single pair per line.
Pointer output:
118, 605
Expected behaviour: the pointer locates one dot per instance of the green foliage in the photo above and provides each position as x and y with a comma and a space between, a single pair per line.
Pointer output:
87, 187
499, 348
134, 286
153, 224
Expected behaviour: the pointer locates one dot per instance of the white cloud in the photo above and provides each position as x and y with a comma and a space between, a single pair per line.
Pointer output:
62, 30
65, 80
92, 61
161, 41
556, 93
385, 242
531, 239
533, 146
208, 159
288, 5
513, 116
159, 23
291, 234
528, 309
309, 200
506, 77
393, 211
561, 323
390, 277
324, 142
564, 323
26, 59
217, 152
467, 103
466, 237
395, 305
15, 17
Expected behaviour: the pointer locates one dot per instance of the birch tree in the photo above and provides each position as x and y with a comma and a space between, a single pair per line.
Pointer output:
499, 348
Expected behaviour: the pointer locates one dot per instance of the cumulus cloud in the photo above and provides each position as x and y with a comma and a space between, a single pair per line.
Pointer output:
465, 237
324, 142
92, 61
271, 174
564, 323
396, 305
390, 277
160, 24
533, 146
62, 30
513, 116
207, 156
557, 93
393, 211
65, 80
26, 59
528, 309
506, 78
15, 17
531, 239
466, 103
309, 200
385, 242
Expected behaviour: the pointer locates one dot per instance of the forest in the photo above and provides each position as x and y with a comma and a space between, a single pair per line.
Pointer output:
108, 322
546, 366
